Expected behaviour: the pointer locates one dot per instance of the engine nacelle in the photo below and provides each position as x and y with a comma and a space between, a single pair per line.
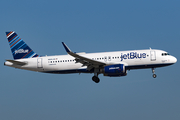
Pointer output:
114, 70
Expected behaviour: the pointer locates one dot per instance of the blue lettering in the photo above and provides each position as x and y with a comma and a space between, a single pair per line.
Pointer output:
144, 55
132, 55
128, 55
121, 57
139, 55
125, 56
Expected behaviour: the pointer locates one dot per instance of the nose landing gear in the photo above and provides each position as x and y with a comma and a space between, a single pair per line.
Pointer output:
153, 71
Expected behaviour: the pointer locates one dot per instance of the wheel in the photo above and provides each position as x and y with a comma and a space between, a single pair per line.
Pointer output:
95, 79
154, 75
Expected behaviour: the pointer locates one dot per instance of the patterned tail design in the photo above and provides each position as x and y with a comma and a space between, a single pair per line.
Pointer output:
18, 47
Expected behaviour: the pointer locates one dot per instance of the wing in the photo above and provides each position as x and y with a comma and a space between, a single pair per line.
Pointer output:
84, 60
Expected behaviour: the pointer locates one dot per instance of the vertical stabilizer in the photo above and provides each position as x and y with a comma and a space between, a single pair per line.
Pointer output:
18, 47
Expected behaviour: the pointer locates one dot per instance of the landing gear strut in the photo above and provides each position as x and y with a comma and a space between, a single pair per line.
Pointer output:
153, 71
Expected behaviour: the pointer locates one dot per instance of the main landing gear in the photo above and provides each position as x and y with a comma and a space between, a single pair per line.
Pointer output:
153, 71
95, 77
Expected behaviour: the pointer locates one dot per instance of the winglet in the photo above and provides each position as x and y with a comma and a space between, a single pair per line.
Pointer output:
66, 47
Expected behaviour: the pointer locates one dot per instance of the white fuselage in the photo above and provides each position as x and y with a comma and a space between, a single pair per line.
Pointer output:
135, 59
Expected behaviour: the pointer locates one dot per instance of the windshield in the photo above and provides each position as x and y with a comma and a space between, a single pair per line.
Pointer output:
165, 54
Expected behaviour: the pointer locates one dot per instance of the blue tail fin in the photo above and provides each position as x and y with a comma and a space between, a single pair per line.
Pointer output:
18, 47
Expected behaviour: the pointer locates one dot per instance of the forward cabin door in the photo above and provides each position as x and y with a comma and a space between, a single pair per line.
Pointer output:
153, 55
39, 63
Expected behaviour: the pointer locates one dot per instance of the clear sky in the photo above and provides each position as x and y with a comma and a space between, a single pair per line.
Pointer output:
90, 26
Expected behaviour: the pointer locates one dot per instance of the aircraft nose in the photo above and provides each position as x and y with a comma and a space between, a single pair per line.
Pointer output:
174, 60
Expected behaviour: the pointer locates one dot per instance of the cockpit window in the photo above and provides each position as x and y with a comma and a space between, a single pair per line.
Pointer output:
165, 54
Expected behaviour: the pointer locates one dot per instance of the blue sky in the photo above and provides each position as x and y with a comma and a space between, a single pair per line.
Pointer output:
90, 26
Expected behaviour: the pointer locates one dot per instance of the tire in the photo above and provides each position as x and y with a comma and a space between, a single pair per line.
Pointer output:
95, 79
154, 75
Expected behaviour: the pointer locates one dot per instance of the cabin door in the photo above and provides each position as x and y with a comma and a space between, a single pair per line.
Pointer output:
39, 63
153, 55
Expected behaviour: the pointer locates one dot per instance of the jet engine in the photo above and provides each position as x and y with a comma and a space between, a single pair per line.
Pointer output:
114, 70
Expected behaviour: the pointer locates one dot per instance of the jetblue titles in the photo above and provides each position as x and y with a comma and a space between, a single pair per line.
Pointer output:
21, 51
132, 55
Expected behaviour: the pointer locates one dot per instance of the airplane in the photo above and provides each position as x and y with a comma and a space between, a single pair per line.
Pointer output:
112, 64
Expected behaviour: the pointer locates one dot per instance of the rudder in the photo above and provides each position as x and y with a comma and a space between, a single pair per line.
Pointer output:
18, 47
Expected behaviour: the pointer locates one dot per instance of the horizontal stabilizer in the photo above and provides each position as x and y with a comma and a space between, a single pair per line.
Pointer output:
17, 62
